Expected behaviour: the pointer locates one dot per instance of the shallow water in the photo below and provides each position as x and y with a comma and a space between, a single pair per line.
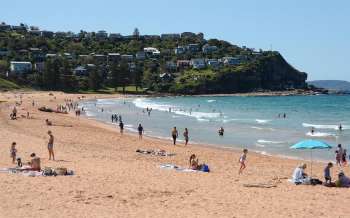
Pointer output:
251, 122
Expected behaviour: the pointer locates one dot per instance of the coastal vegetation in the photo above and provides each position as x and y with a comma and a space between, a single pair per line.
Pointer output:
184, 63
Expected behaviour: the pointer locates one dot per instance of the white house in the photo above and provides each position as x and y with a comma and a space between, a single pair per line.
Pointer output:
198, 63
151, 51
20, 66
231, 61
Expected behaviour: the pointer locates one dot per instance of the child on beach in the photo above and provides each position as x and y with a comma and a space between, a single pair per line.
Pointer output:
338, 158
13, 152
327, 173
242, 160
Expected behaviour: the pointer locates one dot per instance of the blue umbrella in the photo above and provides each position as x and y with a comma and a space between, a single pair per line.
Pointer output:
311, 144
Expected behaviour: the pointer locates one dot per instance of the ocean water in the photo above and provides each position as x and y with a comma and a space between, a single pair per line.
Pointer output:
249, 122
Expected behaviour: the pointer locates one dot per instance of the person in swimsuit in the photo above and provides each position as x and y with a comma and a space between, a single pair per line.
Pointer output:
121, 126
174, 134
34, 163
50, 145
193, 162
13, 152
242, 160
140, 129
186, 136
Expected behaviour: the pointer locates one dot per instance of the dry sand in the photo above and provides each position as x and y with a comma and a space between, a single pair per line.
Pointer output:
112, 180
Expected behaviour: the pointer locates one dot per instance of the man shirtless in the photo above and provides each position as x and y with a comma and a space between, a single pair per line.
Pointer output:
35, 162
50, 145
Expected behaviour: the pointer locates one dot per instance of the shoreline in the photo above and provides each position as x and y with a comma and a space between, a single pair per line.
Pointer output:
112, 180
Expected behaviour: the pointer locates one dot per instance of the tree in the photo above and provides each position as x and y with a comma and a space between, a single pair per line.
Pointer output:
95, 79
124, 74
51, 74
136, 33
115, 75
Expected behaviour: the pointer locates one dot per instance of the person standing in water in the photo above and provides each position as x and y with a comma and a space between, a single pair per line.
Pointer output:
174, 134
340, 127
312, 130
50, 145
221, 131
186, 136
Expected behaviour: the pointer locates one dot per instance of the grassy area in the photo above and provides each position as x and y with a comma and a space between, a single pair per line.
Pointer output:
110, 90
7, 85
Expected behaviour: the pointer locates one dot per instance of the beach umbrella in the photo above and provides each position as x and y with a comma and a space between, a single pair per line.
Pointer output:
311, 144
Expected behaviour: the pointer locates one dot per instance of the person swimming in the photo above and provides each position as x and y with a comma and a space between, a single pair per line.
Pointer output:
221, 131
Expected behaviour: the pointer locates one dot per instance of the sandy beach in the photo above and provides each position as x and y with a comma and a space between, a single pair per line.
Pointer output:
112, 180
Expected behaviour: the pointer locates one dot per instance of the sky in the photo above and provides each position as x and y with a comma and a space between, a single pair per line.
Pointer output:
312, 35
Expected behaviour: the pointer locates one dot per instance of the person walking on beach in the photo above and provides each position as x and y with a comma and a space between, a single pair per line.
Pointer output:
13, 152
242, 160
186, 136
141, 131
339, 155
121, 126
174, 134
344, 162
50, 145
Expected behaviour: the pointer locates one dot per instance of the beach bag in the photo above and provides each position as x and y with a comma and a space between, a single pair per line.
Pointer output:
205, 168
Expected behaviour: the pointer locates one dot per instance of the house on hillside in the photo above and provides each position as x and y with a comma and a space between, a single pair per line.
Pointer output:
183, 64
127, 57
214, 63
51, 55
166, 77
170, 36
115, 36
140, 55
207, 49
4, 27
180, 50
47, 34
188, 35
80, 71
150, 51
20, 67
39, 67
151, 37
193, 47
113, 58
230, 61
101, 35
37, 55
21, 28
198, 63
99, 58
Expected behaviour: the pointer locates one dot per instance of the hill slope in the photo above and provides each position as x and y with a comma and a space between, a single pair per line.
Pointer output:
7, 85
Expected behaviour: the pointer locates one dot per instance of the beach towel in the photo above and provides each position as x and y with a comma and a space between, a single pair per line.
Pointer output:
155, 152
174, 167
